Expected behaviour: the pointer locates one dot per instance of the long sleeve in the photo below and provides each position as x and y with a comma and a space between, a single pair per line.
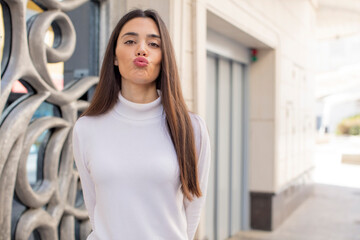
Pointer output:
193, 208
87, 184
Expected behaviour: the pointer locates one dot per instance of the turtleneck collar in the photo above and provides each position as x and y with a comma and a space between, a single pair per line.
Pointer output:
139, 111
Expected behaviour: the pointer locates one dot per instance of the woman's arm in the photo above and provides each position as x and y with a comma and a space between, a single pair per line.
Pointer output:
87, 184
193, 208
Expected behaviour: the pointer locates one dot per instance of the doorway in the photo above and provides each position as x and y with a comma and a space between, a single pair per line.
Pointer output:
225, 213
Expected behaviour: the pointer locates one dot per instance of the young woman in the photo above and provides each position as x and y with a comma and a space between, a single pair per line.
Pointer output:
143, 159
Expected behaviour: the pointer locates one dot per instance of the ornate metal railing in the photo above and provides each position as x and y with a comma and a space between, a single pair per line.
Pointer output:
51, 207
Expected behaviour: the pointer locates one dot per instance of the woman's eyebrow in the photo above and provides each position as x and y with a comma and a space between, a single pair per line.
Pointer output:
136, 34
130, 34
153, 36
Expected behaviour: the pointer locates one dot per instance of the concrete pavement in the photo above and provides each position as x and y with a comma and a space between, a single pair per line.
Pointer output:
333, 212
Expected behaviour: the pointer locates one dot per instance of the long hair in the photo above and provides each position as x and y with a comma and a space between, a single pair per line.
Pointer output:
177, 115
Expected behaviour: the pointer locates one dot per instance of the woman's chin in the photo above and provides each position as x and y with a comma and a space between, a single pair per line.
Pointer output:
142, 81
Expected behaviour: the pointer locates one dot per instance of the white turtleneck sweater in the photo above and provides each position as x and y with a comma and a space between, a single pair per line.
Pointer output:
130, 174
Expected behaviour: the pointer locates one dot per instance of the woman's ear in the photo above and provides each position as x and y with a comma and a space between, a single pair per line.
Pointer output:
116, 62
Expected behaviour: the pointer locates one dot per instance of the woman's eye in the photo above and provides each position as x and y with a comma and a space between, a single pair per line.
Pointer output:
129, 42
154, 45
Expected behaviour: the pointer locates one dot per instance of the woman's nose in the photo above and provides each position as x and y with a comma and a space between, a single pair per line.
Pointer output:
141, 51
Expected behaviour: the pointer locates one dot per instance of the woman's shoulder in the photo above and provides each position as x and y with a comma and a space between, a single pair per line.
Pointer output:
198, 124
92, 120
86, 123
196, 119
201, 134
81, 125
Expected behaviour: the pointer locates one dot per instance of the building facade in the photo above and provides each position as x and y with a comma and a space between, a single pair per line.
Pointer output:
245, 67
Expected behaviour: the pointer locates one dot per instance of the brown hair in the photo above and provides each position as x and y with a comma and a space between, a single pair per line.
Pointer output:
168, 81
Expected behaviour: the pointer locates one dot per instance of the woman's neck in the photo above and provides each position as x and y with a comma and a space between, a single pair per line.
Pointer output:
139, 94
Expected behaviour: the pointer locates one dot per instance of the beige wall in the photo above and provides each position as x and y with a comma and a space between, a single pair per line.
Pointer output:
281, 101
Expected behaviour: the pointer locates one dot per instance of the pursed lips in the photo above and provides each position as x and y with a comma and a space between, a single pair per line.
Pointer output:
141, 62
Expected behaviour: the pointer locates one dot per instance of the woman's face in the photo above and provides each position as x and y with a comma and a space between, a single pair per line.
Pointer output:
138, 52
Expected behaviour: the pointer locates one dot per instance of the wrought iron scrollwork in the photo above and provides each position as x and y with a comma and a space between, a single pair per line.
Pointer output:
50, 208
